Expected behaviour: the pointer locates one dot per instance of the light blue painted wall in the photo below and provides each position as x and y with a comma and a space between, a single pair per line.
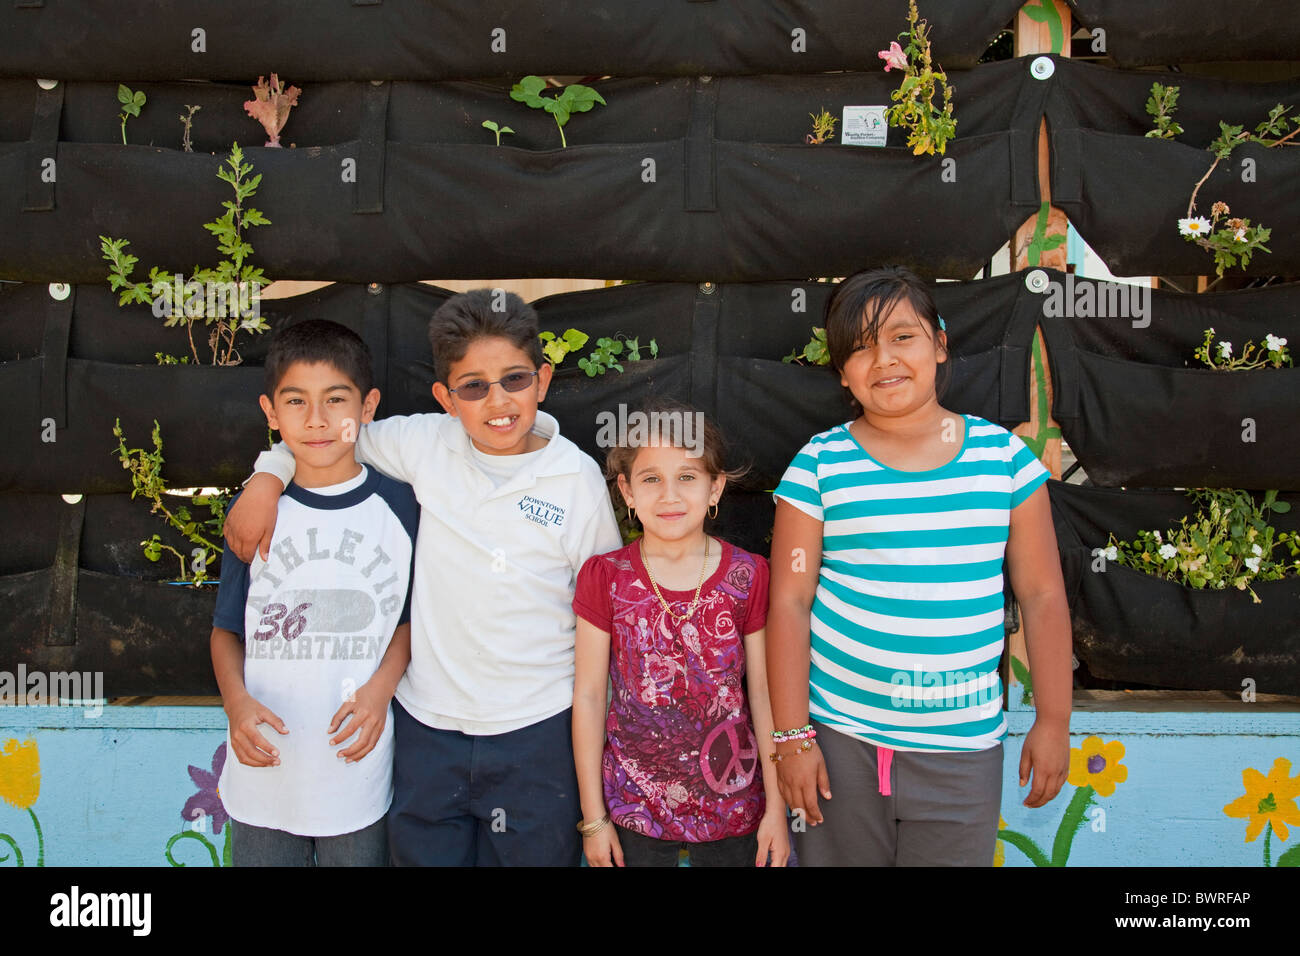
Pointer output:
113, 786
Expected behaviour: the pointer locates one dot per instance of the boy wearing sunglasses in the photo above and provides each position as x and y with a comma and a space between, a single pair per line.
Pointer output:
510, 509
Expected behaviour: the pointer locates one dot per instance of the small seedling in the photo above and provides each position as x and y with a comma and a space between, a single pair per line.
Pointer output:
272, 105
823, 128
497, 129
574, 98
555, 349
188, 120
131, 103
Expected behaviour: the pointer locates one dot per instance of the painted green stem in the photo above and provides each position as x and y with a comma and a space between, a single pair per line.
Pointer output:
190, 834
225, 852
1071, 822
17, 852
1026, 846
1268, 844
1045, 12
40, 839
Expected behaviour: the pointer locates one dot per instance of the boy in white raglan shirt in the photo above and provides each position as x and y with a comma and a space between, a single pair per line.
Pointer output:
510, 510
308, 646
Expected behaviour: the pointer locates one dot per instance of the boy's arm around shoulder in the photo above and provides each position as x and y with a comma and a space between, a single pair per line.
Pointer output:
1034, 570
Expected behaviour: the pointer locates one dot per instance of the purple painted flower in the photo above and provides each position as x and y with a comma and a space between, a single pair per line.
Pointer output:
207, 802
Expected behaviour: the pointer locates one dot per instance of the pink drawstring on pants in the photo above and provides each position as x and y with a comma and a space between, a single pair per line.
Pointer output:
884, 761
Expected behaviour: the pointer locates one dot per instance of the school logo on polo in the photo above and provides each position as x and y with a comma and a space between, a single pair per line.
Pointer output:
542, 512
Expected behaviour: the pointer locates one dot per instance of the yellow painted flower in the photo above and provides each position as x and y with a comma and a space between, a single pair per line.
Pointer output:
1097, 764
20, 773
1268, 799
999, 848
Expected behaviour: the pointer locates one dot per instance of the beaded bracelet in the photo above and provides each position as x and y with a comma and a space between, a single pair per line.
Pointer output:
777, 758
779, 735
802, 735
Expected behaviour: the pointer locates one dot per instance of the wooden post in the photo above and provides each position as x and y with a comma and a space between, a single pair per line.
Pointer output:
1042, 26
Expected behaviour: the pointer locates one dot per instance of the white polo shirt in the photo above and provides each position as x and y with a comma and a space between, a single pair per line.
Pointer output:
492, 623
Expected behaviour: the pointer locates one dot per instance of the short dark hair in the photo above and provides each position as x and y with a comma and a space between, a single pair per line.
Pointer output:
477, 314
319, 340
863, 301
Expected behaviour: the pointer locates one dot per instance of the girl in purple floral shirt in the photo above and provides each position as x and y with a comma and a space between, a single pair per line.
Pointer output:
674, 621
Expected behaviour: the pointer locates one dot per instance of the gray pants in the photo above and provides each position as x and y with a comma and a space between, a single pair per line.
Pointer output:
942, 809
260, 846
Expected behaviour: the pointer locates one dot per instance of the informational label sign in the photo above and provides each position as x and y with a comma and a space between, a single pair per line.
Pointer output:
864, 126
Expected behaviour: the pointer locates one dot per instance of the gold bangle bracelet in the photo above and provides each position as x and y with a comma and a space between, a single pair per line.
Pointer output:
590, 829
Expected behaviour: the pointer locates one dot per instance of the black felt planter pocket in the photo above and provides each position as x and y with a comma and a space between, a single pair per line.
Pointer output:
209, 419
1137, 34
145, 637
1135, 412
1129, 626
376, 40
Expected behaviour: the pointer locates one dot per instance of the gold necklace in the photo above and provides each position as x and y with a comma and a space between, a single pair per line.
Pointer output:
687, 616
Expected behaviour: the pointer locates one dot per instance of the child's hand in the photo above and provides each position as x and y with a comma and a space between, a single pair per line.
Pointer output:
602, 849
1046, 754
250, 746
369, 709
800, 778
251, 522
773, 837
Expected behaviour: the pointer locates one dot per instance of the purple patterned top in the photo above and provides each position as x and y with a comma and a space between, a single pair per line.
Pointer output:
681, 760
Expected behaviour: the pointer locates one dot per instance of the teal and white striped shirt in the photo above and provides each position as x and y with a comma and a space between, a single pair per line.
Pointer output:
907, 623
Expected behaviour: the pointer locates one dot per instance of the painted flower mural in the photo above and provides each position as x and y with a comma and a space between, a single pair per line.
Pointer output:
20, 786
1097, 765
1095, 769
1269, 806
202, 809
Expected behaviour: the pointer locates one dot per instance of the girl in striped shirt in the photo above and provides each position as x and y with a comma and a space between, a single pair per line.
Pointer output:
885, 629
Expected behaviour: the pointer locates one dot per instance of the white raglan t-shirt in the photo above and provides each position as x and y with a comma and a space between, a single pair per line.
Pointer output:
492, 622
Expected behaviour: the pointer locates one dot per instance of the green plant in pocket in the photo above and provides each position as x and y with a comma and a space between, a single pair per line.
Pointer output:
147, 482
497, 129
555, 349
1231, 240
227, 297
131, 102
929, 127
574, 98
1228, 542
814, 353
1271, 352
823, 128
1160, 106
611, 350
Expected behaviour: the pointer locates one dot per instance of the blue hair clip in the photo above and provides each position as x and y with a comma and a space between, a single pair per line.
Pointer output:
942, 327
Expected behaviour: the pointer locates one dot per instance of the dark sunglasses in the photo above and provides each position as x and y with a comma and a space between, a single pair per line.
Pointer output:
478, 389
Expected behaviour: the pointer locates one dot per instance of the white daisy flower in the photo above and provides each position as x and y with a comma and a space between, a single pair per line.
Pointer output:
1195, 226
1253, 564
1225, 349
1239, 235
1274, 342
1111, 553
1256, 549
1167, 551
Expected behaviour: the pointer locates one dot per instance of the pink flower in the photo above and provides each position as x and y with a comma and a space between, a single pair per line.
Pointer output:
894, 57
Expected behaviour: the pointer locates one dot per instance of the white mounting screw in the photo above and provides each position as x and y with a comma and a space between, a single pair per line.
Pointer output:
1036, 281
60, 290
1042, 67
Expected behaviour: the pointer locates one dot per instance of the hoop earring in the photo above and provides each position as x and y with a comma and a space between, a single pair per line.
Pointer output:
631, 513
713, 509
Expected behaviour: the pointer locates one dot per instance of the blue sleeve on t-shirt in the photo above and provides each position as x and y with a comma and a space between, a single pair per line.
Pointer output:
401, 500
232, 592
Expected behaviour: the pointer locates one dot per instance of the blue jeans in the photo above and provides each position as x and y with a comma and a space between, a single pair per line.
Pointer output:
260, 846
494, 800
